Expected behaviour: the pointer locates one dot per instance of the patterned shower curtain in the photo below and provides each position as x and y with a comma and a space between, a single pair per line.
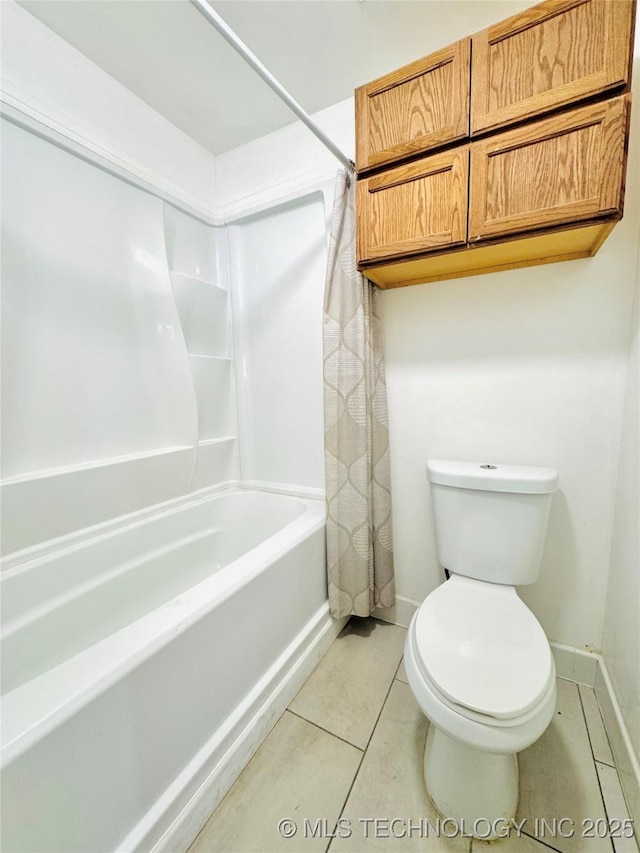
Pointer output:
357, 477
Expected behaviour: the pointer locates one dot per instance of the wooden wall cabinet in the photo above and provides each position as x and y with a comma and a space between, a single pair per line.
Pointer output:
522, 189
418, 207
418, 108
556, 53
563, 169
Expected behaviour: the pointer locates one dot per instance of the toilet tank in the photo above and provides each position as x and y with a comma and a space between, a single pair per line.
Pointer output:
491, 520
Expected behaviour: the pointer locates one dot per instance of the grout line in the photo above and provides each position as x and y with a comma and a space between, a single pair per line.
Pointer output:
593, 758
395, 675
355, 776
604, 804
586, 723
606, 810
384, 702
353, 782
543, 843
606, 734
326, 731
584, 718
595, 763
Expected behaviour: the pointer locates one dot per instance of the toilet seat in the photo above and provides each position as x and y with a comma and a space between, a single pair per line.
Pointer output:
482, 651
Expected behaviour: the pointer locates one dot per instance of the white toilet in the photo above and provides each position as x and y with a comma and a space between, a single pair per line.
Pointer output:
477, 659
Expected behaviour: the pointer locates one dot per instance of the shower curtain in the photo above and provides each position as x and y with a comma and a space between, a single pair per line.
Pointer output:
357, 476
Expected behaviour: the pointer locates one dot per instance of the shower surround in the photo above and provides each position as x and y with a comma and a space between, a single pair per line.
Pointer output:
163, 578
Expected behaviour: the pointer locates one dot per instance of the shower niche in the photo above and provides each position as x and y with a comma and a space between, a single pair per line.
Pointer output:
198, 267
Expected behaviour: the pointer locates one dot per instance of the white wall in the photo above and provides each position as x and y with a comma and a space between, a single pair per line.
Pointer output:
285, 160
622, 617
621, 647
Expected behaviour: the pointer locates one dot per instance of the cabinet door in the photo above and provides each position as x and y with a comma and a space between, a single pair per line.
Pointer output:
548, 56
414, 208
417, 108
563, 169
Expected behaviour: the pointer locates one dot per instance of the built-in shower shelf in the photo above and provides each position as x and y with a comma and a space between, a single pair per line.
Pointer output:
198, 264
204, 315
216, 461
93, 464
193, 280
212, 358
207, 442
211, 381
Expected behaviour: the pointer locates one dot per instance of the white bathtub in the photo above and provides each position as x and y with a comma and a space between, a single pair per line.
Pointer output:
143, 665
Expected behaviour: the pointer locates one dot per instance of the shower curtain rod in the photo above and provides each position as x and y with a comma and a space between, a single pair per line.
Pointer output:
229, 36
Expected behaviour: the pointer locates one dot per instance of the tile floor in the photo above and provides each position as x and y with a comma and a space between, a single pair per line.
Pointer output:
344, 765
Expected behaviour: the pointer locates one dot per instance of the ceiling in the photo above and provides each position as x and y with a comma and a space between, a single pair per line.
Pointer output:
167, 54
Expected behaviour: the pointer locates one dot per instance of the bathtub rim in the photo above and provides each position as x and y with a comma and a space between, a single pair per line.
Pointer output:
55, 695
77, 539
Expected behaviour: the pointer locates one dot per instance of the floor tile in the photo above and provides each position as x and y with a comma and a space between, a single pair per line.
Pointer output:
401, 674
299, 772
345, 692
616, 809
595, 726
390, 786
558, 780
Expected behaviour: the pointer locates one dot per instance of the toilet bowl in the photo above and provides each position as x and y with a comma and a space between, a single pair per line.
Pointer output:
481, 670
477, 660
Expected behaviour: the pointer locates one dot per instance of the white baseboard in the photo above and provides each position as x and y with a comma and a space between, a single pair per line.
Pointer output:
624, 755
268, 702
400, 614
575, 664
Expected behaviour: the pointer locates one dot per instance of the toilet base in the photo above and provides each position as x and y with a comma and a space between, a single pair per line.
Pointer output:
477, 789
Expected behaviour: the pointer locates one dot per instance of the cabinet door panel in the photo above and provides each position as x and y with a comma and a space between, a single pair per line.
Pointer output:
415, 109
414, 208
563, 169
547, 57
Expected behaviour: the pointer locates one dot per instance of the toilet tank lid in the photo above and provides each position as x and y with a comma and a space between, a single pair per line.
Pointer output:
492, 477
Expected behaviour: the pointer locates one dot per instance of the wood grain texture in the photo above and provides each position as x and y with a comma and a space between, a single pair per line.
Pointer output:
554, 54
414, 208
415, 109
407, 112
562, 169
481, 258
